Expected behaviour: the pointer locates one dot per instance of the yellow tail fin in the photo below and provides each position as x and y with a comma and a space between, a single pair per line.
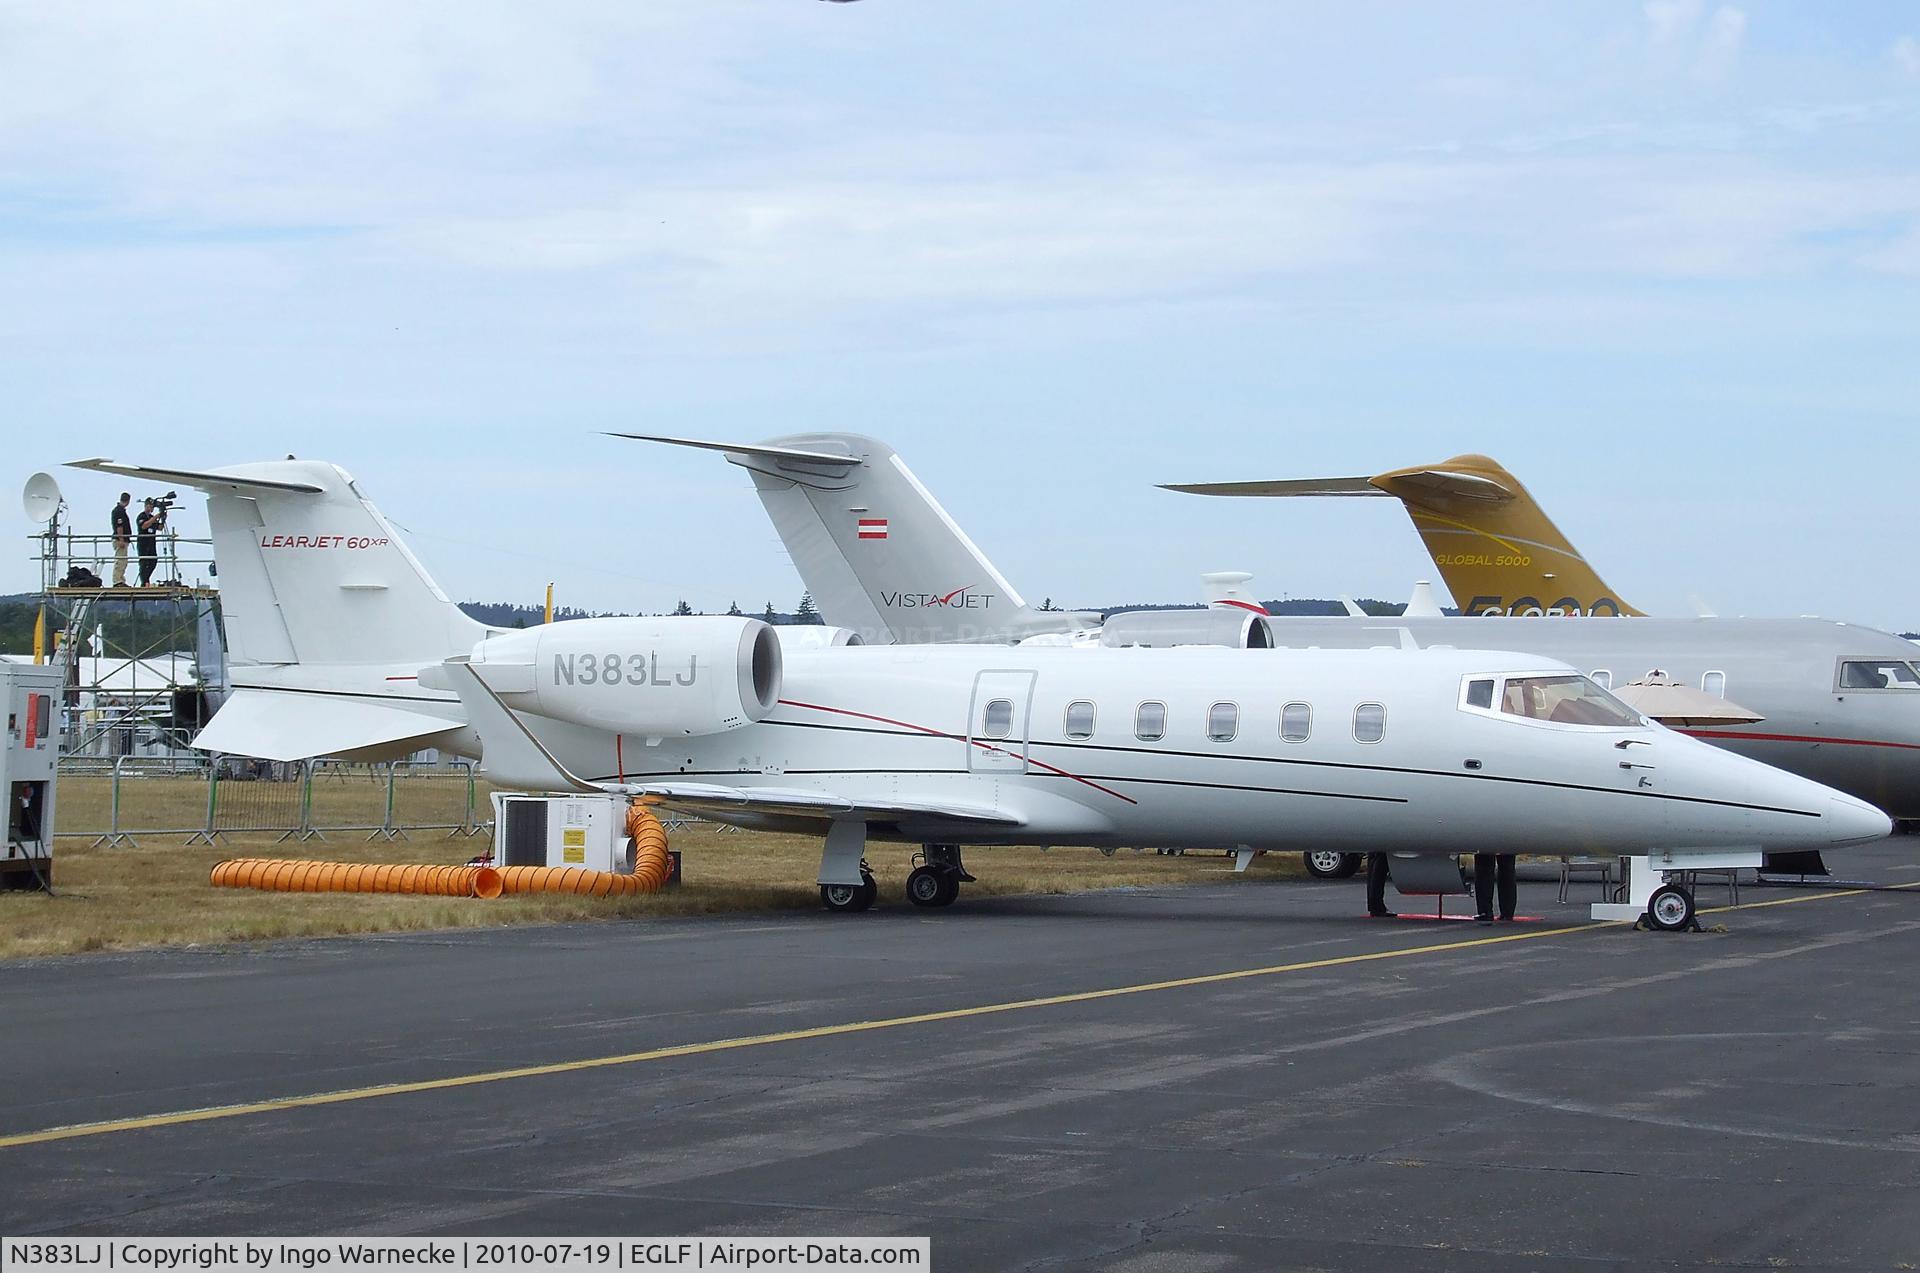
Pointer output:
1495, 548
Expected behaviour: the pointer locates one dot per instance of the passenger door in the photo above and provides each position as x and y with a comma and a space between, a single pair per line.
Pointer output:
997, 722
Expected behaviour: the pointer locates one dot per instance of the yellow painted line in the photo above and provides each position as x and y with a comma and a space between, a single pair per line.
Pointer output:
317, 1100
1814, 897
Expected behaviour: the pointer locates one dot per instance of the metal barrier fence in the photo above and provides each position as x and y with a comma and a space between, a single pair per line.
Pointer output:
300, 800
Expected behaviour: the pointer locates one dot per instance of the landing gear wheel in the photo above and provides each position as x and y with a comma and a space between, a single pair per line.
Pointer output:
932, 886
849, 898
1325, 864
1670, 909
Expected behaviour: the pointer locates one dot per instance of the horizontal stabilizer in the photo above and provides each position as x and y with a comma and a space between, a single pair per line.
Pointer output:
198, 480
279, 725
759, 451
1301, 486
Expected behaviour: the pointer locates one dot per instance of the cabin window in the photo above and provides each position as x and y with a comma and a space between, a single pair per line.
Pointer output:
1601, 677
1296, 722
1714, 683
1369, 723
1150, 722
1564, 700
997, 720
1480, 692
1223, 722
1080, 719
1878, 674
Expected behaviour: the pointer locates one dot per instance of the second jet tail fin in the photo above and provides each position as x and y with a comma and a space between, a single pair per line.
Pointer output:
1497, 550
874, 547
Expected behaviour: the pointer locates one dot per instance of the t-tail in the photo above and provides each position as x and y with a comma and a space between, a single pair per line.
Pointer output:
328, 616
873, 546
1498, 552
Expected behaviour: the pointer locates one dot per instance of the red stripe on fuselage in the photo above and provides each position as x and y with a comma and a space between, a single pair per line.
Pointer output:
1711, 734
941, 733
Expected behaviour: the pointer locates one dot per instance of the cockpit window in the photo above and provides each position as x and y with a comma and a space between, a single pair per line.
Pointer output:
1564, 700
1878, 674
1480, 693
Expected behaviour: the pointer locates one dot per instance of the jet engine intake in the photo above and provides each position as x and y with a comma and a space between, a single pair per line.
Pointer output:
656, 678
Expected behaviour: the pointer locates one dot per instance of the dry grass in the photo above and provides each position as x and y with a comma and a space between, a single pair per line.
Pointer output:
158, 894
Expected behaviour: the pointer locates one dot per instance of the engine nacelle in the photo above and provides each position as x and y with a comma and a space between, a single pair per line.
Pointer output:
655, 678
812, 636
1234, 628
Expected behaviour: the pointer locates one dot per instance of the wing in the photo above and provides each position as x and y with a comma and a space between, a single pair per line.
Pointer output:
515, 757
711, 798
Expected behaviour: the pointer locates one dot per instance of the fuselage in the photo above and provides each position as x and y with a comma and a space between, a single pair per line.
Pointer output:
1863, 741
1359, 750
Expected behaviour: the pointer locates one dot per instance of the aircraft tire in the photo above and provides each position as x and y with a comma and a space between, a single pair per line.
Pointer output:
931, 886
1670, 909
1325, 864
847, 899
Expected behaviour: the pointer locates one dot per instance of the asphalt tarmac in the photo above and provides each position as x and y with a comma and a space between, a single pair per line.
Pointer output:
1212, 1078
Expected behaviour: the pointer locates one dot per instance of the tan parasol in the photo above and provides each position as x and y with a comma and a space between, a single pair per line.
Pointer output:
1658, 695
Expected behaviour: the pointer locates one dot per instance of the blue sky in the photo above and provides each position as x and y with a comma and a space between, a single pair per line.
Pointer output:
1661, 259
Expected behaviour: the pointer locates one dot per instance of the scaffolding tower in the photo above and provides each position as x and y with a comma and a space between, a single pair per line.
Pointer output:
145, 665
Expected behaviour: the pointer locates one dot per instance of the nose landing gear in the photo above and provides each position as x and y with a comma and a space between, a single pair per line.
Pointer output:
1671, 910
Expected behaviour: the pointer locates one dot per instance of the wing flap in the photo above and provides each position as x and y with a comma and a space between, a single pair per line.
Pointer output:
272, 725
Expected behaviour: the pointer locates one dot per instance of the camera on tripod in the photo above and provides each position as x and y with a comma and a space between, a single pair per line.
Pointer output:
165, 502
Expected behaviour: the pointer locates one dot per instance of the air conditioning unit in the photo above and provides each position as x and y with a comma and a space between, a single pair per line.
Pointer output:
572, 830
28, 766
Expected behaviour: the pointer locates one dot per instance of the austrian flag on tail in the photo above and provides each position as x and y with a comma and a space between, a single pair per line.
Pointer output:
873, 528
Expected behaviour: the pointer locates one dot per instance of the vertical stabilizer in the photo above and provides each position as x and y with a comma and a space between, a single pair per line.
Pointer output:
873, 546
327, 615
1497, 550
311, 572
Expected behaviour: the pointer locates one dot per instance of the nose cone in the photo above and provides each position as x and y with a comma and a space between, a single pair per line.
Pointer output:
1851, 821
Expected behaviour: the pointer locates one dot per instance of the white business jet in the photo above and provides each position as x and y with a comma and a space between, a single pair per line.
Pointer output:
343, 644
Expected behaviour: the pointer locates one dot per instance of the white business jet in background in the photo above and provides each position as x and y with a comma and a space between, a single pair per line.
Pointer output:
342, 644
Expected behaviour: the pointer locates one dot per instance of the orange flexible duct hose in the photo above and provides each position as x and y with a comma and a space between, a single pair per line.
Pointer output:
279, 876
520, 880
651, 866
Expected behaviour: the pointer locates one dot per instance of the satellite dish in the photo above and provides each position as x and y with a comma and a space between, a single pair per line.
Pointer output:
41, 498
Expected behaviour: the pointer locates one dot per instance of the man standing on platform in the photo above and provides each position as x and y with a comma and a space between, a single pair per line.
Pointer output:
122, 538
152, 518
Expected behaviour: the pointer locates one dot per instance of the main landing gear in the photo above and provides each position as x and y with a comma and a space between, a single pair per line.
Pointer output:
848, 898
936, 876
1325, 864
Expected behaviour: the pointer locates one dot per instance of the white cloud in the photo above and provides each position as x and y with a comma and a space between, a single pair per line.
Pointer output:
1906, 54
1669, 21
1721, 46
